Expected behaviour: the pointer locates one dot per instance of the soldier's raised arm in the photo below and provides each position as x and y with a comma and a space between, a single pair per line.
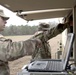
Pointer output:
57, 30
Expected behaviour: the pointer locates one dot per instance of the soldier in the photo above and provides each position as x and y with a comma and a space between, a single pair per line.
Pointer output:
45, 33
11, 50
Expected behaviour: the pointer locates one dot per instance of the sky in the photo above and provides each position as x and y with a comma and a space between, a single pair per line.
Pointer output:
15, 20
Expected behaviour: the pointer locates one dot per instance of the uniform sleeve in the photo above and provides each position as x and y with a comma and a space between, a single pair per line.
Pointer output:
13, 50
57, 30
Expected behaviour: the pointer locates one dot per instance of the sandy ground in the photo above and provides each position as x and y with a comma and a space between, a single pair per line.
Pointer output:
16, 65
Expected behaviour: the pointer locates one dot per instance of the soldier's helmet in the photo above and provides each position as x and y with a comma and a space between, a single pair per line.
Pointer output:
44, 26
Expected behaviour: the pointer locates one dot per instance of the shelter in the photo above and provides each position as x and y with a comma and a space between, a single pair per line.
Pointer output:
40, 9
43, 9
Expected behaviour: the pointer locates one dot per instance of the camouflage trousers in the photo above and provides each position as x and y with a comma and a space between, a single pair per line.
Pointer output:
40, 53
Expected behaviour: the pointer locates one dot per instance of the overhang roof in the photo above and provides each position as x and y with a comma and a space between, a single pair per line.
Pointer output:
45, 15
35, 5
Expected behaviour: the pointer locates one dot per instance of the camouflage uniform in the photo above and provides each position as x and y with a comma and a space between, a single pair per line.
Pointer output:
12, 50
44, 35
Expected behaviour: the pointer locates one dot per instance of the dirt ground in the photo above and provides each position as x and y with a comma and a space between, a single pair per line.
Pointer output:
16, 65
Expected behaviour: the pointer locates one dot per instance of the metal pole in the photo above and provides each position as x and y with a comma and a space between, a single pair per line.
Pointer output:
74, 30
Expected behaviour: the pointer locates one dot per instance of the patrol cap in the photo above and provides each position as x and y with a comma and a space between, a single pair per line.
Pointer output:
3, 15
44, 26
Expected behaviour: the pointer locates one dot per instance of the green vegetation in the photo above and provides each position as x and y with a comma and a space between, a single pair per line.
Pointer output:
19, 30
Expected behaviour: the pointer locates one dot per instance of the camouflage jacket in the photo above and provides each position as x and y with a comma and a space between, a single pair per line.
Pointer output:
12, 50
44, 51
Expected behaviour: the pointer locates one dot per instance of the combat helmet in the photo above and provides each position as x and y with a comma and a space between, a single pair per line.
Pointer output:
44, 26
